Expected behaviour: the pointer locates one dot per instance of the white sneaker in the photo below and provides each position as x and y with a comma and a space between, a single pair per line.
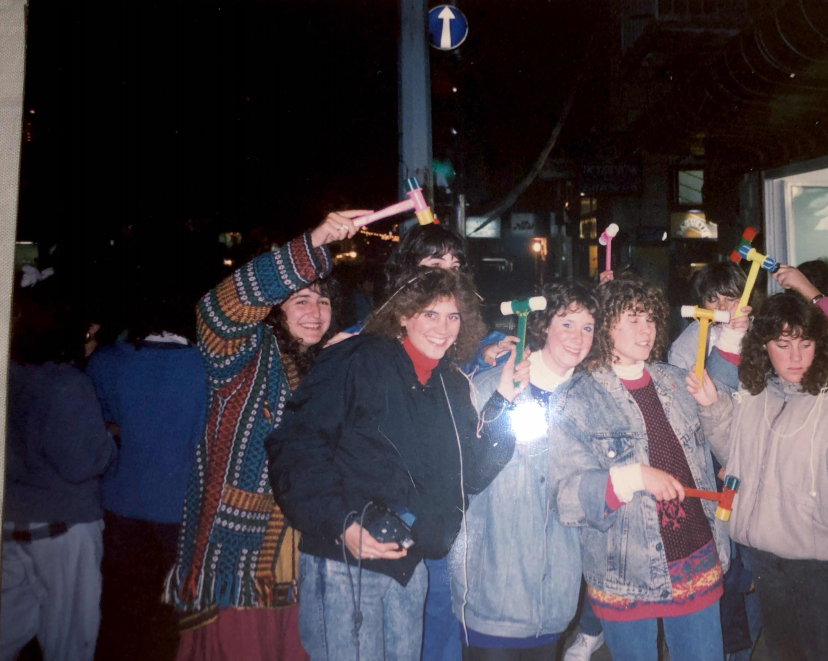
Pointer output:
583, 647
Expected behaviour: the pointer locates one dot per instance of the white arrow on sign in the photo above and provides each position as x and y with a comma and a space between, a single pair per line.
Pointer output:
445, 37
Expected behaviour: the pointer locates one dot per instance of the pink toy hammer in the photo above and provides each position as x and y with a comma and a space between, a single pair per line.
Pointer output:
415, 202
606, 240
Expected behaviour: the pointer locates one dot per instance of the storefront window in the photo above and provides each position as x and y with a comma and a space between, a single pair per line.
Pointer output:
588, 228
809, 211
689, 188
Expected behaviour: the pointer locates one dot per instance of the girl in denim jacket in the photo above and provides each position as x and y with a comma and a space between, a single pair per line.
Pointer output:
515, 570
631, 441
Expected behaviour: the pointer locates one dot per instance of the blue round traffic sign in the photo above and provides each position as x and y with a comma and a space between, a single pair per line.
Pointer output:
447, 27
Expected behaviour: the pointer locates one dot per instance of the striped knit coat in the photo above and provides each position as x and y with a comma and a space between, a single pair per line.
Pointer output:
232, 531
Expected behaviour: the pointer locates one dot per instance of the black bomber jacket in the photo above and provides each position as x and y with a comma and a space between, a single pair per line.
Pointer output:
361, 427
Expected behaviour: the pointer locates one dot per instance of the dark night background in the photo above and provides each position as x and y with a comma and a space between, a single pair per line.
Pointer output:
153, 127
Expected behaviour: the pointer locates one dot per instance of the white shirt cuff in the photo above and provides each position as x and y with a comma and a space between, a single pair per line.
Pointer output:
626, 480
730, 340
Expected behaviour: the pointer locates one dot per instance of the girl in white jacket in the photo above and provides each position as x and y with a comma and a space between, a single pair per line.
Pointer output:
773, 435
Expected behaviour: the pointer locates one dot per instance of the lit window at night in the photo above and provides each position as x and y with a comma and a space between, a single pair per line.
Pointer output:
690, 184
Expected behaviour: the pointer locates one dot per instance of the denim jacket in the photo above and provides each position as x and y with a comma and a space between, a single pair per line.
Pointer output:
602, 427
522, 568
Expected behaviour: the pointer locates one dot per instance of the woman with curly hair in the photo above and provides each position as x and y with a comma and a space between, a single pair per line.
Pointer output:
629, 443
771, 434
386, 419
523, 589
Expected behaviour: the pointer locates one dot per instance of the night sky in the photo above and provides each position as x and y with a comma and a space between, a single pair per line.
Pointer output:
158, 125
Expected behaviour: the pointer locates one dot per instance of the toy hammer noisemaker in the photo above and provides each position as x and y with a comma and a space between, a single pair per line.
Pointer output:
415, 202
725, 498
745, 251
606, 240
522, 310
704, 316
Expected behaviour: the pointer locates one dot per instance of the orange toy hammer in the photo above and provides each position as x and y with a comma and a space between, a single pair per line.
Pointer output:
725, 498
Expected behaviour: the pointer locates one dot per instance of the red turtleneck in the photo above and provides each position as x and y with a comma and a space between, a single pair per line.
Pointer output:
423, 365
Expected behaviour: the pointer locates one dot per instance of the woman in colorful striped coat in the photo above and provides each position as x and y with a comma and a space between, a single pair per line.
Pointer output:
234, 577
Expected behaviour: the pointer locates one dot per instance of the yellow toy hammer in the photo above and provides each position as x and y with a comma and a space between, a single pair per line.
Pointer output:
704, 316
757, 260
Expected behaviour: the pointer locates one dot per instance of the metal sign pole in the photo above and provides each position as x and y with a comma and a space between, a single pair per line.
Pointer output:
415, 98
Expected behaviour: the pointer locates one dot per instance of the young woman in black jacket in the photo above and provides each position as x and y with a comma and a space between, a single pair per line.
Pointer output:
387, 417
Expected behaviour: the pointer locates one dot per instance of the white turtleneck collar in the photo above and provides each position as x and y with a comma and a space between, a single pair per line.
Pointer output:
541, 376
629, 372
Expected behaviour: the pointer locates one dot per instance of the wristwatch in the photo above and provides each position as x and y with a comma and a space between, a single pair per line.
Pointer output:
816, 298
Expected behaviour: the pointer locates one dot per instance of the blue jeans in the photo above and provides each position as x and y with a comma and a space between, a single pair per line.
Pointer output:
392, 615
589, 622
695, 637
738, 555
441, 630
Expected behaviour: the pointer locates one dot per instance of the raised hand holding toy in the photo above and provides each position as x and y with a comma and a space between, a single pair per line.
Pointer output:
522, 310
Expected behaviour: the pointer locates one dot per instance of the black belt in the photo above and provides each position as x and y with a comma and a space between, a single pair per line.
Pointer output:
30, 535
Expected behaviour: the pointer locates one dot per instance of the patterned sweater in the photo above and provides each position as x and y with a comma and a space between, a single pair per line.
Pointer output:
235, 548
692, 559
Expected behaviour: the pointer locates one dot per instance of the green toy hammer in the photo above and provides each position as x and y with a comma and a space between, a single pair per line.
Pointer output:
522, 310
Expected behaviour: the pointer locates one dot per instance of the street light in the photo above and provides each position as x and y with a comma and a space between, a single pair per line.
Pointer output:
539, 250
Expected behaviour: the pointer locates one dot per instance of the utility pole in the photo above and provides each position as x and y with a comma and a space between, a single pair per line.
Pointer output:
415, 98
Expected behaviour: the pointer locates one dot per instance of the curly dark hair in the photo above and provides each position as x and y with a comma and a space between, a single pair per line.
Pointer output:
794, 317
561, 298
617, 297
426, 286
419, 243
292, 346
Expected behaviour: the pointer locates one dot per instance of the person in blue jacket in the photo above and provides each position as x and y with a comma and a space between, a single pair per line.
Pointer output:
154, 390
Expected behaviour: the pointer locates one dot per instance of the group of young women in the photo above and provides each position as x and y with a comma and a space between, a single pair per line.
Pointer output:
570, 464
